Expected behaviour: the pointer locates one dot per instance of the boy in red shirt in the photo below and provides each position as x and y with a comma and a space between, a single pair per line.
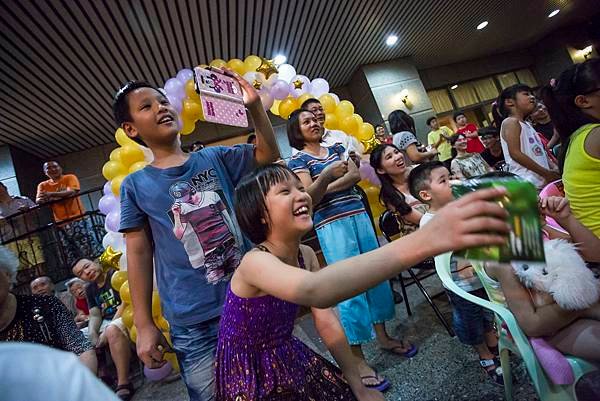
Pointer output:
469, 130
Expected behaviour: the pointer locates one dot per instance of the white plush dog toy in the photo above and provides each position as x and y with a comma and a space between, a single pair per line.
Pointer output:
564, 276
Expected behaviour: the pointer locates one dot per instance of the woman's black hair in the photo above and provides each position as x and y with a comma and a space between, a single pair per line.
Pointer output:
400, 121
579, 79
249, 200
294, 133
499, 109
388, 195
455, 138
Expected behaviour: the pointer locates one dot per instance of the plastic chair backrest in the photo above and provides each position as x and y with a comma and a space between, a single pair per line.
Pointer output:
389, 225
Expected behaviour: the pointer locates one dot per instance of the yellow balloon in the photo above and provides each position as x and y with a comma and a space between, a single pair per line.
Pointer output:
122, 138
219, 63
188, 127
190, 89
202, 65
117, 279
275, 108
287, 106
115, 155
328, 103
349, 125
365, 132
344, 109
302, 98
127, 316
137, 166
192, 111
252, 62
115, 184
131, 154
124, 293
237, 65
331, 121
167, 337
170, 356
162, 323
111, 169
358, 119
156, 310
133, 334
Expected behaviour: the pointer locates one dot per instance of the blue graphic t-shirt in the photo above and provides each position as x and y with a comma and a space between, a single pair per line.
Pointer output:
197, 243
335, 205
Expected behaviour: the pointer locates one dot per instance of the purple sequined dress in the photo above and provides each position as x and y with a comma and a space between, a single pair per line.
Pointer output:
258, 359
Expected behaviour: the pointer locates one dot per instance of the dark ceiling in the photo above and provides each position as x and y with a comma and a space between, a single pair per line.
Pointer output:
62, 60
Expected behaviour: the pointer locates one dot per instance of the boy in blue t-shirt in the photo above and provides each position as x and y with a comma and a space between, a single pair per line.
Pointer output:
176, 214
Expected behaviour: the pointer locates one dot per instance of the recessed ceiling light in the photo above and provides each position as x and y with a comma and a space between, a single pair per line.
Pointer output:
391, 40
482, 25
454, 87
553, 13
279, 59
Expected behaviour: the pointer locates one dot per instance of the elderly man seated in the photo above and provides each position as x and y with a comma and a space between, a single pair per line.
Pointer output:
43, 285
105, 325
38, 318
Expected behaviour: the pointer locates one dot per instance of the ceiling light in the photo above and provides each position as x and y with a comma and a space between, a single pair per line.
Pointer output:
391, 40
553, 13
454, 87
279, 59
482, 25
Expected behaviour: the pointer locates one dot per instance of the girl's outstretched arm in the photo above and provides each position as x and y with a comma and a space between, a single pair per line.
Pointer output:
469, 221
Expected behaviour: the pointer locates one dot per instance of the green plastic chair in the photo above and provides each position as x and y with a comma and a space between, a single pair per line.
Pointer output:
515, 342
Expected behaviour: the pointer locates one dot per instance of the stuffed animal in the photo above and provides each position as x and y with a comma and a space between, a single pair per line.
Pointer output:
565, 277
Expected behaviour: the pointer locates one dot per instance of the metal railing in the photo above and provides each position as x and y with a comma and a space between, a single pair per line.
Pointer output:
49, 237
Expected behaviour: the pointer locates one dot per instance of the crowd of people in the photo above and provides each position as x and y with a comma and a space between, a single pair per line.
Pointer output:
219, 230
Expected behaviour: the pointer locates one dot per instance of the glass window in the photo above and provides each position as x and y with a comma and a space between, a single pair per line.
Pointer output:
526, 77
486, 89
507, 79
440, 100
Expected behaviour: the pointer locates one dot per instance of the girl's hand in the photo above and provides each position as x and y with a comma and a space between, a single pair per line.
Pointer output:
473, 220
556, 207
251, 97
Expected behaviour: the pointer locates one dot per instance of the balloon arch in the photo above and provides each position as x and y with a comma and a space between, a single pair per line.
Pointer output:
281, 91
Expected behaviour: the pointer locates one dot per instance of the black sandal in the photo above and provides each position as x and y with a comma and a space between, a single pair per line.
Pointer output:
493, 369
124, 391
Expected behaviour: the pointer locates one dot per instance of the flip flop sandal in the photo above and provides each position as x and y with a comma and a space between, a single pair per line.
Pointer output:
412, 351
125, 391
496, 373
383, 385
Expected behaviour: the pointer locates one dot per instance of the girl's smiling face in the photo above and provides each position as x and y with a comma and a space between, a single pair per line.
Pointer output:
392, 162
289, 209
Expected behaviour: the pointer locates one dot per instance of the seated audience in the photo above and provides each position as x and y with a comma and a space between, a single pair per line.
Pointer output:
38, 318
492, 154
403, 128
469, 130
573, 105
105, 326
524, 152
76, 287
381, 135
466, 165
542, 123
473, 324
439, 138
44, 286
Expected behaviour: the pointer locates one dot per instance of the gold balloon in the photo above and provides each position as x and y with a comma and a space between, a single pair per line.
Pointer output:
112, 169
237, 65
257, 84
125, 293
137, 166
370, 144
156, 309
133, 334
115, 155
110, 259
162, 323
218, 63
298, 84
267, 67
328, 103
190, 89
131, 154
275, 107
304, 97
122, 138
127, 316
287, 106
252, 62
115, 184
331, 121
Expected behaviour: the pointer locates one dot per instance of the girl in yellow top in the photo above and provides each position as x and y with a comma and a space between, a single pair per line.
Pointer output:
573, 102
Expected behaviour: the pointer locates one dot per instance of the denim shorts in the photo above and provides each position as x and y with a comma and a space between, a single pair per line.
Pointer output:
195, 348
470, 321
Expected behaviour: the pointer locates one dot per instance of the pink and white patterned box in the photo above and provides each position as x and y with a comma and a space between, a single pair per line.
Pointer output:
221, 98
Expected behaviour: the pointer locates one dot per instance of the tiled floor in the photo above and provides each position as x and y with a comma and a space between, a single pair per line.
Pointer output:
444, 369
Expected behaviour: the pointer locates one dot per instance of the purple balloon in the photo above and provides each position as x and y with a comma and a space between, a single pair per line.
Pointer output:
107, 190
112, 221
280, 89
158, 373
175, 102
185, 75
368, 173
108, 203
174, 87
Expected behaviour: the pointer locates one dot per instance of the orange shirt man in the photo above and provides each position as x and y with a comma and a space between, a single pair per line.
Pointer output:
60, 186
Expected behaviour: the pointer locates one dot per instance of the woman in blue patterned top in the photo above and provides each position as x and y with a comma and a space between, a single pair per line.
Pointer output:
344, 230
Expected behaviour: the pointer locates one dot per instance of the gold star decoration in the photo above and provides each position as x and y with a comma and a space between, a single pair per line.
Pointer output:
257, 84
298, 84
267, 67
370, 144
110, 259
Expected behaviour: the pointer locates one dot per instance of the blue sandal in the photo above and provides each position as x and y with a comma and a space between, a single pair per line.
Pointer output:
412, 351
383, 385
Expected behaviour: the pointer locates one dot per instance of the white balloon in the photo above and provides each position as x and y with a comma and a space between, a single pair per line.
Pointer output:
250, 76
286, 72
305, 87
319, 87
114, 240
335, 97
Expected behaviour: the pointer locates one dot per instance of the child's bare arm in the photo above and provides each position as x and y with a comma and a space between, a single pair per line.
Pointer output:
511, 132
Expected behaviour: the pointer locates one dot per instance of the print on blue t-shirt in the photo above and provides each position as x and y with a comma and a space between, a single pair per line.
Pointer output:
334, 205
197, 243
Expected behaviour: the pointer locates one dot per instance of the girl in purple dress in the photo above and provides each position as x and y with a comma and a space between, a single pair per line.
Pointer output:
257, 357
